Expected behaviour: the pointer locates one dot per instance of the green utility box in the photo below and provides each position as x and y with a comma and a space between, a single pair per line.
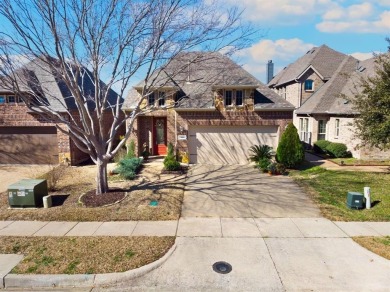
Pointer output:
27, 193
355, 200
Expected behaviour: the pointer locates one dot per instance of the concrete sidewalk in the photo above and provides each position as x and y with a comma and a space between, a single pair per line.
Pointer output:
267, 253
201, 227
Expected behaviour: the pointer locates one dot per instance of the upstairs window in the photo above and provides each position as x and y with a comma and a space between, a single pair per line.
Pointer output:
309, 85
2, 99
228, 98
151, 99
11, 99
161, 98
239, 98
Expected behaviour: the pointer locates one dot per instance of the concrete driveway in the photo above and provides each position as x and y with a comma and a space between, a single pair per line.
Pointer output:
243, 192
11, 173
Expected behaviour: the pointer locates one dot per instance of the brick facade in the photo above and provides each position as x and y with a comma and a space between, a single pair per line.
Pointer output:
142, 129
18, 115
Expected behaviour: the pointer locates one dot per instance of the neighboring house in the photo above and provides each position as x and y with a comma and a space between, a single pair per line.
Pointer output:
28, 138
209, 108
319, 85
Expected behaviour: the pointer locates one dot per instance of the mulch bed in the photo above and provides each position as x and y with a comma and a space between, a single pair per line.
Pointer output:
91, 200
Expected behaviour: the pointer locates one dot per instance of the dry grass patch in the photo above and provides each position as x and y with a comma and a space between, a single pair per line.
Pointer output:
378, 245
84, 255
149, 185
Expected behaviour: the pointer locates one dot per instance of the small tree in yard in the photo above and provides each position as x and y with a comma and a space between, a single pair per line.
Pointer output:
290, 150
372, 102
79, 41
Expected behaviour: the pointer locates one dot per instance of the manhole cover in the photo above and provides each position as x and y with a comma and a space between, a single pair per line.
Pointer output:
222, 267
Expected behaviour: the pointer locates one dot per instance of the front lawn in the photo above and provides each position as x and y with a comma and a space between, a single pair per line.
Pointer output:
148, 186
378, 245
329, 190
359, 162
84, 255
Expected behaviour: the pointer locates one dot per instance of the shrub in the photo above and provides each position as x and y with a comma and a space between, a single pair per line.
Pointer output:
263, 164
280, 168
129, 167
121, 154
131, 150
259, 152
338, 150
53, 176
290, 151
320, 146
170, 162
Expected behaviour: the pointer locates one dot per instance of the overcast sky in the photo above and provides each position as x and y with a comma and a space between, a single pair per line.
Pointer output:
291, 28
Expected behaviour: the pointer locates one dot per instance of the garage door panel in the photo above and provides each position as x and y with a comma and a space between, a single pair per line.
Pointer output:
20, 146
228, 145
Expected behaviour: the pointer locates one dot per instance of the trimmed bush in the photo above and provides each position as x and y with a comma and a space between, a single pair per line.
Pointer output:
170, 162
337, 150
290, 150
129, 167
320, 146
259, 152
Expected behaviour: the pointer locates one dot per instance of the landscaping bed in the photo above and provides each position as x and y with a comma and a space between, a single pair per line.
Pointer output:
84, 255
148, 185
329, 190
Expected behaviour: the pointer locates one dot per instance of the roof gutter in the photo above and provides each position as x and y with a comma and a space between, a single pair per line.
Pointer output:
253, 86
194, 109
273, 109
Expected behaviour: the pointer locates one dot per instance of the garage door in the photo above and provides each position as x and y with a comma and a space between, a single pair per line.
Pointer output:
228, 145
28, 145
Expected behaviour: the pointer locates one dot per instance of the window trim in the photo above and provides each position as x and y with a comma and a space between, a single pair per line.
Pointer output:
231, 98
311, 87
337, 128
242, 97
322, 130
161, 98
304, 129
151, 99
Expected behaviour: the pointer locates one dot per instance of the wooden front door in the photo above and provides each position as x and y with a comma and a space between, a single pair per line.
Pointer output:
160, 136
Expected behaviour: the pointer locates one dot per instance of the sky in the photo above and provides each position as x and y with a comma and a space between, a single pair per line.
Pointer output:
290, 28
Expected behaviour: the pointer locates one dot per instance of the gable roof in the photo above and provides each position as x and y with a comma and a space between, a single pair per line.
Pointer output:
322, 60
333, 97
37, 76
196, 74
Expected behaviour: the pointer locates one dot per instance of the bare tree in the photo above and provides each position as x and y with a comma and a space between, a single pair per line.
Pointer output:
86, 41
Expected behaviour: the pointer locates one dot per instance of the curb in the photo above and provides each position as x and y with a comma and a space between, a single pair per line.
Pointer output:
82, 281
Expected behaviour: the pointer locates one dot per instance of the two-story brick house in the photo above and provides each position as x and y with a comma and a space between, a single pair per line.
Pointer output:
320, 85
28, 138
209, 108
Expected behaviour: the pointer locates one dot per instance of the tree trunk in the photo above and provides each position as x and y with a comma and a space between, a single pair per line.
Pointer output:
101, 179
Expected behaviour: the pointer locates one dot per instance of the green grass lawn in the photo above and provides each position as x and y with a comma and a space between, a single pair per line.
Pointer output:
329, 189
354, 161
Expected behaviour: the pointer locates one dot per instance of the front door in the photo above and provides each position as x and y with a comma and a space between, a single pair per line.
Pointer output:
160, 136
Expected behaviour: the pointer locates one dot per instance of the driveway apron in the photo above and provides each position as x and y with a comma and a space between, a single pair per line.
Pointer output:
240, 191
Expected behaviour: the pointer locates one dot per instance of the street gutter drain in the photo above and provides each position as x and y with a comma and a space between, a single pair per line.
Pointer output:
222, 267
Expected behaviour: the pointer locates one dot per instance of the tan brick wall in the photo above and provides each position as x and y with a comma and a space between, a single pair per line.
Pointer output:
293, 94
317, 81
